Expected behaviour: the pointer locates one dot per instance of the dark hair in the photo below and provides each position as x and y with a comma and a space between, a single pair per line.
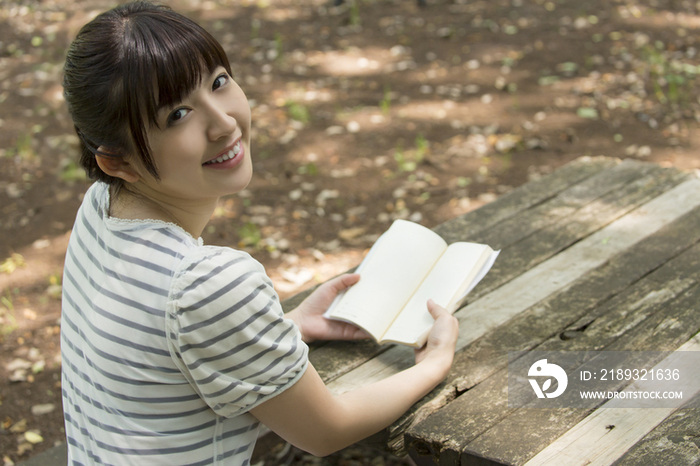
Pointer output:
123, 67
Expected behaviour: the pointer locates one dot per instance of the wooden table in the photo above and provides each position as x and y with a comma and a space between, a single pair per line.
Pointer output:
601, 254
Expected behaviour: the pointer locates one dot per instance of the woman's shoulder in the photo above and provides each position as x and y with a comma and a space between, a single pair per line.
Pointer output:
217, 258
208, 268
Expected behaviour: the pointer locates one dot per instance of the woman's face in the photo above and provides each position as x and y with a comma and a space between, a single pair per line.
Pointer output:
202, 147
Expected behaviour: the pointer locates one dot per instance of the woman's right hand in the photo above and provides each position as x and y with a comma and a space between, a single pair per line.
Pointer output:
309, 416
442, 339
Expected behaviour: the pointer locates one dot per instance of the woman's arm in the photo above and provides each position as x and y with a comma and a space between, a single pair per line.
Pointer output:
308, 416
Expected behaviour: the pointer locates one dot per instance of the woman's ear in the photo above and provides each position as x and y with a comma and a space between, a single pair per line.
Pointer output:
116, 166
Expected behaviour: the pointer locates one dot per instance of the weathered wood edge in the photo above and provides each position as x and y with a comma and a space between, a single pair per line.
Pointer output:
566, 202
523, 198
593, 442
578, 311
651, 332
675, 441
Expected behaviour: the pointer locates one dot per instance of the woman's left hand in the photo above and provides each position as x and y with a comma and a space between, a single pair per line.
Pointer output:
309, 314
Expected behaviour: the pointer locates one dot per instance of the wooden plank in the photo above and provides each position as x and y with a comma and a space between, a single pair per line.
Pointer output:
550, 240
530, 439
563, 269
675, 441
592, 441
485, 404
523, 198
566, 203
545, 279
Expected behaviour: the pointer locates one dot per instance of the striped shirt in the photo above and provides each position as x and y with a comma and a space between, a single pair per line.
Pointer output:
166, 344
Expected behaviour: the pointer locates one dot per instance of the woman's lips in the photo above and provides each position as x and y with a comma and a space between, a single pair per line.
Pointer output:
228, 160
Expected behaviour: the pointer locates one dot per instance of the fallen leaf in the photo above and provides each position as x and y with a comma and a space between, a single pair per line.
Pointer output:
38, 366
18, 363
297, 276
33, 437
325, 195
351, 233
18, 427
24, 447
586, 112
46, 408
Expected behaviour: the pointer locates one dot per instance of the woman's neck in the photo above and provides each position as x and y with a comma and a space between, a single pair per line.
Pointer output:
132, 204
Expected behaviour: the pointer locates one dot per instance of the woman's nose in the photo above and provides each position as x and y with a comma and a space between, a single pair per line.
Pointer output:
220, 122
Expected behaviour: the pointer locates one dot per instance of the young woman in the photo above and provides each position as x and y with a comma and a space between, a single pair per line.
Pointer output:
173, 351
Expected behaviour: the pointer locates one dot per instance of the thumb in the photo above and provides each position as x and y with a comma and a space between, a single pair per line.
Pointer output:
435, 309
342, 282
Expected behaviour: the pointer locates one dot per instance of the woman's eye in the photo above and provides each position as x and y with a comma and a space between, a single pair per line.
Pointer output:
177, 115
220, 81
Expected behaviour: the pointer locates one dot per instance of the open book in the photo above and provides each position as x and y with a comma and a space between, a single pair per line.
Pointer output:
408, 265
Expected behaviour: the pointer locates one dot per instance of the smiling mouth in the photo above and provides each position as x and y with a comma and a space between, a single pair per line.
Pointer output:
227, 156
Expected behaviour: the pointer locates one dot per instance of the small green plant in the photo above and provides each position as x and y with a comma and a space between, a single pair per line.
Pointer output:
463, 181
408, 161
422, 145
298, 112
405, 165
279, 45
308, 169
249, 235
22, 148
254, 28
12, 263
385, 103
8, 323
72, 172
7, 302
670, 79
355, 14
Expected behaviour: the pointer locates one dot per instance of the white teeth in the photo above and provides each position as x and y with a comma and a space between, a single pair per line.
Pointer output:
228, 155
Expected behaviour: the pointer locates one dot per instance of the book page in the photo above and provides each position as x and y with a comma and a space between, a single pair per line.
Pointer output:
456, 269
389, 275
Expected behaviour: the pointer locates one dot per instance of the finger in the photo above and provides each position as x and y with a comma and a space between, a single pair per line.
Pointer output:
435, 309
360, 334
345, 331
351, 332
343, 281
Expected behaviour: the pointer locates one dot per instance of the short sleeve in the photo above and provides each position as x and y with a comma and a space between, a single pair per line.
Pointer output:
227, 332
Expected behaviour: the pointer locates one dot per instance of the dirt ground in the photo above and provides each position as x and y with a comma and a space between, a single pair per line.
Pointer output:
363, 113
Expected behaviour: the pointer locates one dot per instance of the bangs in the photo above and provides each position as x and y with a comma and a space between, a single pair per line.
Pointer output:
172, 53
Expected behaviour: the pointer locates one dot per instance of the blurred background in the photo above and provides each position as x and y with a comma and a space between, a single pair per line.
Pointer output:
363, 113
